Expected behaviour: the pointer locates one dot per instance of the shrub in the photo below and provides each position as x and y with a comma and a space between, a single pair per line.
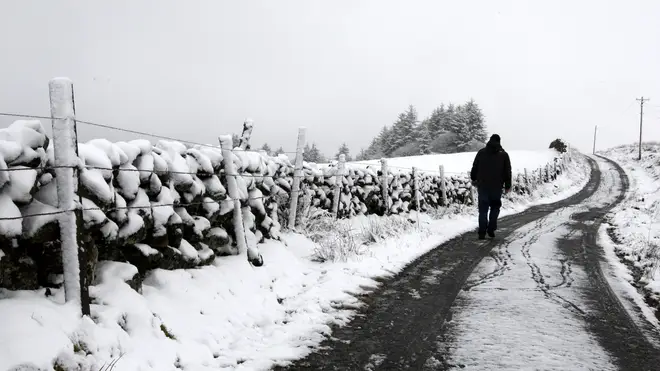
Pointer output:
559, 145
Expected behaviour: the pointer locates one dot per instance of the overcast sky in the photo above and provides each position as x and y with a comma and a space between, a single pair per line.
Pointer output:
342, 68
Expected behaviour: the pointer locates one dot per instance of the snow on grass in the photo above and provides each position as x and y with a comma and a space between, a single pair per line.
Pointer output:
637, 220
34, 328
620, 278
635, 224
231, 315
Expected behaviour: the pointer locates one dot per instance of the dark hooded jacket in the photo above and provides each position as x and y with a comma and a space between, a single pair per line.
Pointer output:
492, 167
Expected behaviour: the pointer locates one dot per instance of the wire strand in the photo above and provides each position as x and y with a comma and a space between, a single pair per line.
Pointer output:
110, 127
164, 137
34, 215
39, 168
151, 206
20, 115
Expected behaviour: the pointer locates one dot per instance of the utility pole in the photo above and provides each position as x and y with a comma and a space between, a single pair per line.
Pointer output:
595, 131
641, 120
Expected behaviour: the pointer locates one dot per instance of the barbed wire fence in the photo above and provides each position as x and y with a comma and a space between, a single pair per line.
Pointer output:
67, 169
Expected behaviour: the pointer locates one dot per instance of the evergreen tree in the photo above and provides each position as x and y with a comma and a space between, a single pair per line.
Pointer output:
474, 121
386, 141
449, 120
266, 148
306, 153
411, 122
435, 121
457, 124
279, 151
362, 155
313, 154
424, 137
403, 130
343, 150
375, 150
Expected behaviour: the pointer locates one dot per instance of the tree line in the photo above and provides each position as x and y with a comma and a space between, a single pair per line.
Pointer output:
449, 129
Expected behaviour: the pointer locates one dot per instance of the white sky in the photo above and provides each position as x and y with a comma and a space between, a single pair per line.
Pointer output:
342, 68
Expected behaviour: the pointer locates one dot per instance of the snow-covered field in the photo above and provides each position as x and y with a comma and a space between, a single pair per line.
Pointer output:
231, 315
635, 225
461, 163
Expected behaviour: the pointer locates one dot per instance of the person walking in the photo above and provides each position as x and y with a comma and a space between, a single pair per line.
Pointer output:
491, 173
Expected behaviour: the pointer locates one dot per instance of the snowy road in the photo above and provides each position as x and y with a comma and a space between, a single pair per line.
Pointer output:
535, 298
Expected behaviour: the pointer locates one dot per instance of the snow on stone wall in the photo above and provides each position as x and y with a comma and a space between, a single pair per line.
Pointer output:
166, 205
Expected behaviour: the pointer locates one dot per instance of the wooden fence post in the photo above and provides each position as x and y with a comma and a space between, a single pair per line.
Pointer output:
547, 172
443, 186
339, 183
385, 185
416, 192
65, 149
244, 141
297, 175
232, 188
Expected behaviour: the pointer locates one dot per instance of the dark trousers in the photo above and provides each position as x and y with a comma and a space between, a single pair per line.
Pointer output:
489, 199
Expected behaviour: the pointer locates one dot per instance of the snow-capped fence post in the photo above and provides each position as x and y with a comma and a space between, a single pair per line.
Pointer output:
547, 172
339, 183
65, 149
385, 187
297, 175
232, 188
244, 142
443, 186
417, 191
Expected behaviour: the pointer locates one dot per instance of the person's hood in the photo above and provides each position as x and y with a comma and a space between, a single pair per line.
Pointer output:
493, 147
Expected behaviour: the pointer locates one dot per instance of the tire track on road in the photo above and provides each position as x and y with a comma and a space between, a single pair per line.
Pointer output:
402, 333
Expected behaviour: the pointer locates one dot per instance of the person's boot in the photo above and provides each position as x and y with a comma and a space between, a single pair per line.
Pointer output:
482, 236
491, 234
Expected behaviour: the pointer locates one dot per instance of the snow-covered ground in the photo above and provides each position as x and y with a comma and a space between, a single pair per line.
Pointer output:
633, 241
461, 163
523, 307
229, 315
